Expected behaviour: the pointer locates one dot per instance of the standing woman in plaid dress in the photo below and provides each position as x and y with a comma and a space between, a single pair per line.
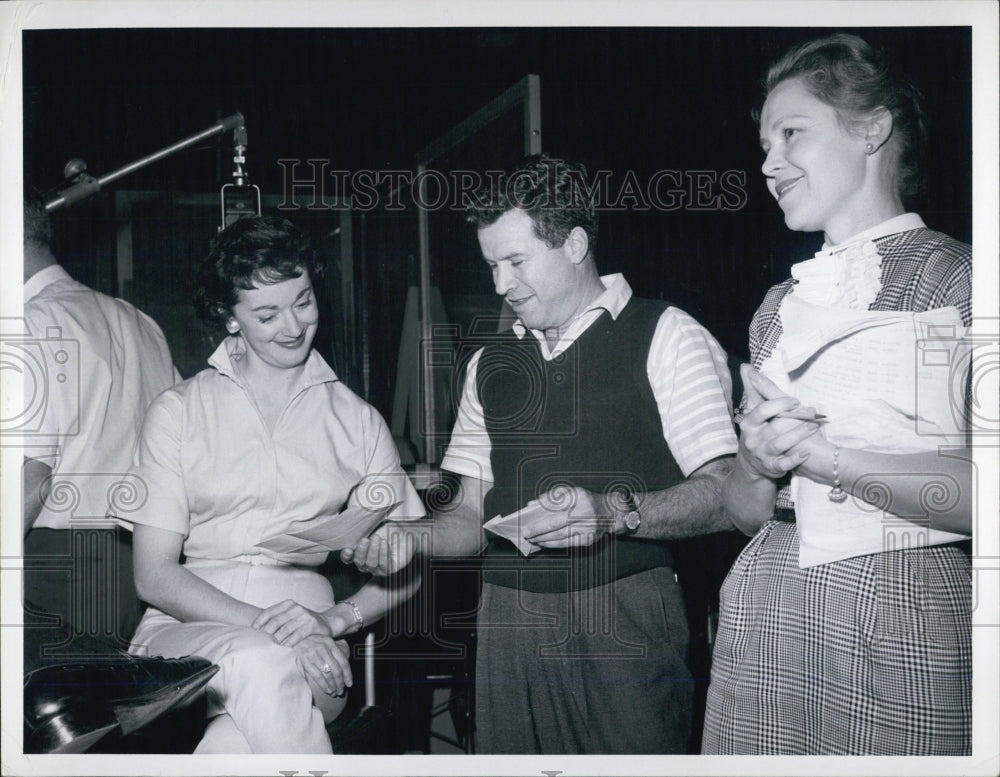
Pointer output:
870, 652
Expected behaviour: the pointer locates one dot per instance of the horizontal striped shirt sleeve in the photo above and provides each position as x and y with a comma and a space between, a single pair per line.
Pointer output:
690, 379
469, 449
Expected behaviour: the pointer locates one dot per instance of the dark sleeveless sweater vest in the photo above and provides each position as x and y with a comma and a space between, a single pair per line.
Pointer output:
586, 418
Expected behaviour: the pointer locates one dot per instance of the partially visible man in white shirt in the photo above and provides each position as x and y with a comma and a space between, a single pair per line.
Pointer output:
102, 362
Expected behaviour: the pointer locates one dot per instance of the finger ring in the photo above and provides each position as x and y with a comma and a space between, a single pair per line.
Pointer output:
326, 669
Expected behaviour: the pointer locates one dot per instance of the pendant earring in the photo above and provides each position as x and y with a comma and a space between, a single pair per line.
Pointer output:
869, 149
232, 326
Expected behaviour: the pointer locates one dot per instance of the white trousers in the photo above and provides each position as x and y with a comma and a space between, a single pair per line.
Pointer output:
260, 700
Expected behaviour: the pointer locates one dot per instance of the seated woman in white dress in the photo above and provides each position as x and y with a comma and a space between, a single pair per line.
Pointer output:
264, 442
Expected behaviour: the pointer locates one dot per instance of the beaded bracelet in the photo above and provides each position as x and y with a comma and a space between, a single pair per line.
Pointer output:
837, 494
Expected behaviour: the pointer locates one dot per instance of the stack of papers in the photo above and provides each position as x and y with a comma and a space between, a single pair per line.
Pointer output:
891, 382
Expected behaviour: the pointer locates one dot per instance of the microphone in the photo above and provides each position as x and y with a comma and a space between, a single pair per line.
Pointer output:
239, 199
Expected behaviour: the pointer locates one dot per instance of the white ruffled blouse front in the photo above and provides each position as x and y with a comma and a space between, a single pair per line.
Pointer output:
849, 275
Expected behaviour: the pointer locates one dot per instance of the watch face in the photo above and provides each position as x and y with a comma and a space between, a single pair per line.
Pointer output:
632, 520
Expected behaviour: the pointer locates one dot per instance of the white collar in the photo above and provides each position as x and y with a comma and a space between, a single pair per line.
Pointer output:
316, 369
901, 223
44, 277
613, 299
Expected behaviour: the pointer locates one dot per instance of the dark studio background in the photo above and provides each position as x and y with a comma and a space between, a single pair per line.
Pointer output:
627, 100
621, 99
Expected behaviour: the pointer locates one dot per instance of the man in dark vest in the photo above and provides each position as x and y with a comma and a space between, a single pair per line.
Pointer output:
603, 423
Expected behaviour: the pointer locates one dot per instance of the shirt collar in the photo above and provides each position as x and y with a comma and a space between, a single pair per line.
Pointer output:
44, 277
616, 295
316, 369
901, 223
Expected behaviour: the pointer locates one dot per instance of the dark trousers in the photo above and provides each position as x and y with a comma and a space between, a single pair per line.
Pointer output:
596, 671
79, 594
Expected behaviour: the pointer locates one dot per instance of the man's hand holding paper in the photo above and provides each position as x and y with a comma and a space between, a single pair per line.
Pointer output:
565, 517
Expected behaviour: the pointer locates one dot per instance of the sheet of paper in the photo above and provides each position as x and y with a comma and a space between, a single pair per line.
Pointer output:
372, 501
335, 532
829, 531
889, 382
513, 527
285, 543
346, 528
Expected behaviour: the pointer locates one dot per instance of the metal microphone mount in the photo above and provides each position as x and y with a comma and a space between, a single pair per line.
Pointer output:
239, 199
83, 185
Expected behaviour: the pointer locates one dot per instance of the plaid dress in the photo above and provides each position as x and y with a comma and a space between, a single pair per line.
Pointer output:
870, 655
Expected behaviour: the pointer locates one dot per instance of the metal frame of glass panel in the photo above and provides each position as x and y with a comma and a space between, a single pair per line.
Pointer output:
525, 96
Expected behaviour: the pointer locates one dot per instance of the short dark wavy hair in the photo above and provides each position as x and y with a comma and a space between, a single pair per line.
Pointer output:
37, 223
853, 78
555, 193
252, 251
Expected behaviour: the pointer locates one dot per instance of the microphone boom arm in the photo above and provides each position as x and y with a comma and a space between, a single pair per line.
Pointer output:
87, 185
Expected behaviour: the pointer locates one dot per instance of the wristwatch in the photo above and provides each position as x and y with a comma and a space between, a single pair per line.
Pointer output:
631, 518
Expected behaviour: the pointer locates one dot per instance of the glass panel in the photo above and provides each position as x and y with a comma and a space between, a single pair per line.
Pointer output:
460, 294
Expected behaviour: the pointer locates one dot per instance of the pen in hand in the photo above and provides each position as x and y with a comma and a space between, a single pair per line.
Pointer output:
802, 414
760, 388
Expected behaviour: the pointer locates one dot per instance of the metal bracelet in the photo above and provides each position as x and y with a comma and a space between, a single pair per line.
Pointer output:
359, 619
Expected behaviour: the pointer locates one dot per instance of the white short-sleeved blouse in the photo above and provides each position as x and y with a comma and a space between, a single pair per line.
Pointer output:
213, 472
